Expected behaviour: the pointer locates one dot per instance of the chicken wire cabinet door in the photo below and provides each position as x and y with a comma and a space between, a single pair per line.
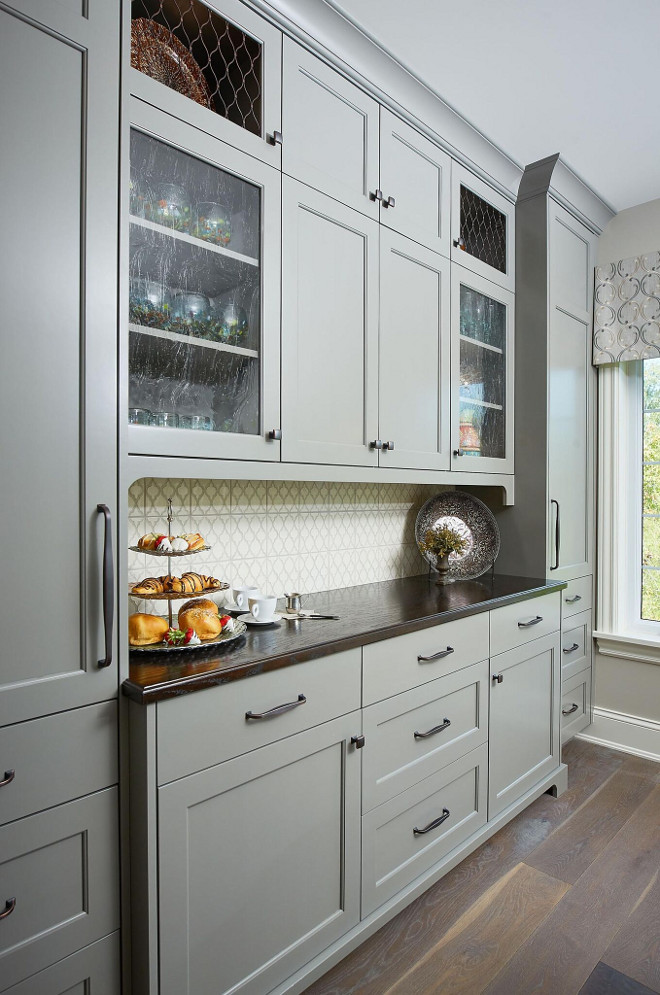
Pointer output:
483, 228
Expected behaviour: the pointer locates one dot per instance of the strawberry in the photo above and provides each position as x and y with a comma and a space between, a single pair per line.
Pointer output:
224, 619
188, 636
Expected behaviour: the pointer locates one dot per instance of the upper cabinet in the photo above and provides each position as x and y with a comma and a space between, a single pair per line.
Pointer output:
330, 130
203, 295
220, 72
415, 182
483, 224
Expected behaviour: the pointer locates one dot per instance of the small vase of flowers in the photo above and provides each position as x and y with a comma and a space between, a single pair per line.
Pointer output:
440, 542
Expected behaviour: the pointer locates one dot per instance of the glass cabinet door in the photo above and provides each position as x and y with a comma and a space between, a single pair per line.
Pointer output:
482, 369
195, 357
482, 228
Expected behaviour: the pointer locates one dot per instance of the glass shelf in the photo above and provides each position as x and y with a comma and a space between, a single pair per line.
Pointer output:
482, 389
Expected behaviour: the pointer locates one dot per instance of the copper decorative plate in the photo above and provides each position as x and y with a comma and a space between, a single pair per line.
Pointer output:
475, 522
156, 52
224, 637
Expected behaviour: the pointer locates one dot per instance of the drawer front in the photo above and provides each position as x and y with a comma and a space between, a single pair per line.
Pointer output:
406, 662
93, 969
413, 735
577, 597
215, 723
60, 871
393, 854
575, 705
575, 645
519, 623
57, 758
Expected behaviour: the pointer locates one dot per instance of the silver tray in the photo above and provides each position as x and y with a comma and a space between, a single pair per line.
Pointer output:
158, 552
225, 637
470, 517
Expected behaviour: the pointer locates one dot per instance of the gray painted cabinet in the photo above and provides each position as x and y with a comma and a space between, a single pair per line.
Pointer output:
482, 228
94, 969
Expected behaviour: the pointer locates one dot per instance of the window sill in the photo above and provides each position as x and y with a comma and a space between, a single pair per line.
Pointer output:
628, 647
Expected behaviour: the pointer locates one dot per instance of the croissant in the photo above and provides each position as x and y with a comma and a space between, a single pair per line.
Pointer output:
150, 585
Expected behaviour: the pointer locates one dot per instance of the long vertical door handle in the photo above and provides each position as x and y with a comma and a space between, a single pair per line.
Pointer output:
557, 536
108, 585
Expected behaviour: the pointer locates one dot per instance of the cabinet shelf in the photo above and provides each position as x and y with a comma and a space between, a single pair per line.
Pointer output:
480, 404
166, 336
199, 243
481, 345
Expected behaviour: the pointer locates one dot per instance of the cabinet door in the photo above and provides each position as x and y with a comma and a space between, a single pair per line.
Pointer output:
330, 130
229, 84
329, 330
524, 720
265, 851
59, 210
204, 270
483, 228
482, 374
415, 180
414, 380
571, 404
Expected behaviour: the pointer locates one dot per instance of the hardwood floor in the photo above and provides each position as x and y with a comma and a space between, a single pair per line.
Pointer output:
565, 900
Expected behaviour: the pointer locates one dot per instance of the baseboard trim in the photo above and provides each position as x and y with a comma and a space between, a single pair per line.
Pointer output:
627, 733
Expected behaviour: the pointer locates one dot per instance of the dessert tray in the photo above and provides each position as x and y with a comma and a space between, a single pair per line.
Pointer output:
224, 637
177, 595
158, 552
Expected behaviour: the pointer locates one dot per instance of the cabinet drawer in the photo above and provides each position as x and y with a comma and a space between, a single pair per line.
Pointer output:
577, 596
575, 645
61, 868
396, 664
393, 854
200, 730
93, 969
57, 758
409, 737
575, 705
519, 623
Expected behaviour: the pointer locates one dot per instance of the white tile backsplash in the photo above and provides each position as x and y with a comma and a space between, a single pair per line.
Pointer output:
284, 535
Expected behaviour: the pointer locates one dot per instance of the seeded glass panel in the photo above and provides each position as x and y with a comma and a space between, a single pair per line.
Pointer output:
650, 608
194, 50
194, 293
483, 230
482, 375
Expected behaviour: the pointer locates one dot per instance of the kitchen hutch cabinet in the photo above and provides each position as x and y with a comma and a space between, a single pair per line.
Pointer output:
59, 878
483, 228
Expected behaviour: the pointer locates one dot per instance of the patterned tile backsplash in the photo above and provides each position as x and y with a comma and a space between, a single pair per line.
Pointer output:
283, 535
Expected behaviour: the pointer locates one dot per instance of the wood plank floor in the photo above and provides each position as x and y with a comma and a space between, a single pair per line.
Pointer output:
565, 900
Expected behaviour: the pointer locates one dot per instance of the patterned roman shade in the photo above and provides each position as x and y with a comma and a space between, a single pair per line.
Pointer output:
627, 310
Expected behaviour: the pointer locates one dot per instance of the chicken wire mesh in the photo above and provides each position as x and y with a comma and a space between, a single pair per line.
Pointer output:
192, 49
483, 230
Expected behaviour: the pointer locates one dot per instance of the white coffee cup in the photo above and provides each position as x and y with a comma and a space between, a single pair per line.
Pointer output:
262, 607
241, 595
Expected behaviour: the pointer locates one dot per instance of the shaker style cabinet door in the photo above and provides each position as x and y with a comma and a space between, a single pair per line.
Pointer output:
329, 331
414, 374
259, 863
482, 228
230, 80
415, 180
59, 201
572, 392
203, 295
482, 374
330, 130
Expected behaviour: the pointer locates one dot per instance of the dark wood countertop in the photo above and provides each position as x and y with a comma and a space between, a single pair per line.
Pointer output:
367, 614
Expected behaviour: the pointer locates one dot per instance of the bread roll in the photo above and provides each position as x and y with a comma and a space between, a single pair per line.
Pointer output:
143, 630
194, 540
149, 541
205, 603
205, 622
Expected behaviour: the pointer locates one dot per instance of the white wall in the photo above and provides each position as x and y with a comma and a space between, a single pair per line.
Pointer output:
630, 233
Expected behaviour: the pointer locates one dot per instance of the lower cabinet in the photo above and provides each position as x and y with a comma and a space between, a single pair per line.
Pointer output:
524, 724
575, 704
94, 969
259, 863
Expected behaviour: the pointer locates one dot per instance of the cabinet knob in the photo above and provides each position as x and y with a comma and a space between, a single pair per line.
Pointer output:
275, 138
376, 444
498, 678
390, 202
388, 446
376, 195
458, 452
9, 777
358, 741
275, 434
459, 243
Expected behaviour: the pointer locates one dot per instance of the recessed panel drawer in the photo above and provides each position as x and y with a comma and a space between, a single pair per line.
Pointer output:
404, 662
200, 730
95, 969
514, 625
411, 736
410, 833
577, 596
54, 759
575, 645
575, 705
59, 880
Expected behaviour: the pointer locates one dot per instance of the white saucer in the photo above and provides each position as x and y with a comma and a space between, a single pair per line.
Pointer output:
249, 619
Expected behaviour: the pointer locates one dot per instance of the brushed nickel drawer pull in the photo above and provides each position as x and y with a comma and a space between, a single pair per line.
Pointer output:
497, 678
532, 621
571, 601
377, 195
569, 711
9, 777
278, 710
432, 825
571, 649
435, 656
10, 905
425, 735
